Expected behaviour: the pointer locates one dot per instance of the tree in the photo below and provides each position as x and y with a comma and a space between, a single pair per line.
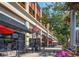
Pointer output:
45, 16
53, 15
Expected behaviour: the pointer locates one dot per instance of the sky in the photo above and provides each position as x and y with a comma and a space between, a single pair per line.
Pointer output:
42, 4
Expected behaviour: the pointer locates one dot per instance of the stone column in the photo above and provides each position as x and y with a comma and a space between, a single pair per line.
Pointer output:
73, 30
27, 35
27, 40
40, 37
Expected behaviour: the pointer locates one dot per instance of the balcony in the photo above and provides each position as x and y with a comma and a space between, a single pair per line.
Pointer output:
38, 17
31, 11
32, 5
22, 4
23, 13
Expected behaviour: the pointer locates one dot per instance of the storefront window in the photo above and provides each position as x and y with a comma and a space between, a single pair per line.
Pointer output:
7, 43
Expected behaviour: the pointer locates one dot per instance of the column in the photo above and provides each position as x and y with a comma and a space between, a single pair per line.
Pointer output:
27, 40
27, 35
35, 10
27, 6
73, 30
41, 38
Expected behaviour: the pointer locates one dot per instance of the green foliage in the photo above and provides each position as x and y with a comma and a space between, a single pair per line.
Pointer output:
45, 16
61, 30
6, 40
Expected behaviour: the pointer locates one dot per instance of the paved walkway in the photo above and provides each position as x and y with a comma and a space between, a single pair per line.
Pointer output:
30, 55
36, 55
58, 47
8, 53
49, 52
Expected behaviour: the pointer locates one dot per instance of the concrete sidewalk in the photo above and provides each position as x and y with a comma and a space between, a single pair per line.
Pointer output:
37, 55
49, 52
31, 55
8, 53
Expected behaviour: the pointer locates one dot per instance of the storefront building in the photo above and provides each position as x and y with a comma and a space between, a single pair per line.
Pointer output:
24, 22
12, 31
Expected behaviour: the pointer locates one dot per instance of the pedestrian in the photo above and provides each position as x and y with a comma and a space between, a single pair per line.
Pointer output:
43, 45
32, 45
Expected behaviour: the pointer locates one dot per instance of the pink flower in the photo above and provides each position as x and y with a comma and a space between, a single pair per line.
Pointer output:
62, 53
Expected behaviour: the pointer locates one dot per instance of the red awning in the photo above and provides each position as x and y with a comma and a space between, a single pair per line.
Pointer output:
6, 30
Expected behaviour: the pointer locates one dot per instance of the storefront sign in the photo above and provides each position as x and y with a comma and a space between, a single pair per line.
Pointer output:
15, 36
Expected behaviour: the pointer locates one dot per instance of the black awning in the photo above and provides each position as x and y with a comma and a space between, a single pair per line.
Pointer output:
7, 21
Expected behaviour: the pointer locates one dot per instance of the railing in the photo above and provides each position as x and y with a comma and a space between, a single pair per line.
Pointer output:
32, 5
31, 11
22, 4
22, 12
38, 17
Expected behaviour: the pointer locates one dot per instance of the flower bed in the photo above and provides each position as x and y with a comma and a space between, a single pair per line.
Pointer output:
64, 53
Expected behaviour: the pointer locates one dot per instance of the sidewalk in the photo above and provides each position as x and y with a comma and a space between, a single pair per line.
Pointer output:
8, 53
31, 55
39, 54
48, 52
49, 48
